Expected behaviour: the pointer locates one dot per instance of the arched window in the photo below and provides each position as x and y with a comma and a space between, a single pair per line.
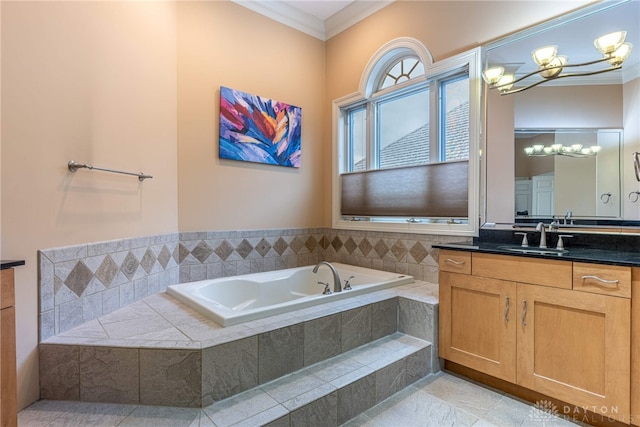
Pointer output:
403, 69
410, 115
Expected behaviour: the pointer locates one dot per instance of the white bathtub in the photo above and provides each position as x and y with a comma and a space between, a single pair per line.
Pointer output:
237, 299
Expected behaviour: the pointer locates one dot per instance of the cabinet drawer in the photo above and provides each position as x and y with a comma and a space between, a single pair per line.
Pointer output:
535, 271
455, 261
602, 279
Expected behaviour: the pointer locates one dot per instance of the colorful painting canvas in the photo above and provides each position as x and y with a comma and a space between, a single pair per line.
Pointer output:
259, 130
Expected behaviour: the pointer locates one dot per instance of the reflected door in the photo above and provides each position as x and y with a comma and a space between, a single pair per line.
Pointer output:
542, 195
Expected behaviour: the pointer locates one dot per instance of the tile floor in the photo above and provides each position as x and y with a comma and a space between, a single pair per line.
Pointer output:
438, 400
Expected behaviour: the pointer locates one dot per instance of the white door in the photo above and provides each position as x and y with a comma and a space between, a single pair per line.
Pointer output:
542, 195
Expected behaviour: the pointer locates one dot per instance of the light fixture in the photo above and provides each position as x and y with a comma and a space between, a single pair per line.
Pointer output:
574, 150
551, 65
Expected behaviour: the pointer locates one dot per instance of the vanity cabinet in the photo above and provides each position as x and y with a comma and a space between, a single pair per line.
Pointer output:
477, 328
8, 382
556, 327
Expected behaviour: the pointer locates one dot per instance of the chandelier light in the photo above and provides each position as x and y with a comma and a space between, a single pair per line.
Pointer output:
574, 150
551, 65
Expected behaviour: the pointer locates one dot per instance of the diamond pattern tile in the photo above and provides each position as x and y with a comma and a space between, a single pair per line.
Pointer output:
148, 261
263, 247
350, 245
164, 257
296, 244
280, 246
311, 244
223, 250
79, 278
365, 247
107, 271
130, 265
381, 248
336, 243
244, 248
202, 251
181, 253
399, 250
418, 252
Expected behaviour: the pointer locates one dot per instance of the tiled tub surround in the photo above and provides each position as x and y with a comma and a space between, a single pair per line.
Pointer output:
80, 283
83, 282
158, 351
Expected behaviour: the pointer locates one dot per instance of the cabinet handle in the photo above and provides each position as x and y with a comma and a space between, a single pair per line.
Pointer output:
506, 310
601, 280
524, 312
453, 261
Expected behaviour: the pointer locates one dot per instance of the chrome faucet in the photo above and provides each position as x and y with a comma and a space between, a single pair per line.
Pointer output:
337, 285
543, 234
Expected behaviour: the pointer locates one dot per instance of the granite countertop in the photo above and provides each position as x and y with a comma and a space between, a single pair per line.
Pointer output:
4, 264
580, 254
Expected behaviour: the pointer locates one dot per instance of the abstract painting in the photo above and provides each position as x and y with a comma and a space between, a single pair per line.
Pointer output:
259, 130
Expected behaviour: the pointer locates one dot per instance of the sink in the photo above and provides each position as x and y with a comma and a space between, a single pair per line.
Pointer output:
534, 250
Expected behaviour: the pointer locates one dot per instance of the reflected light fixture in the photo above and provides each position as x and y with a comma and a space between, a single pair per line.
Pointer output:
574, 150
551, 65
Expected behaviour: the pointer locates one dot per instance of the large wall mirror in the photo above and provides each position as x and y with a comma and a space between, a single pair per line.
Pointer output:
559, 121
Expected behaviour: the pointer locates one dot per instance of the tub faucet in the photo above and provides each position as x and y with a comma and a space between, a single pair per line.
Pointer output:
543, 234
337, 285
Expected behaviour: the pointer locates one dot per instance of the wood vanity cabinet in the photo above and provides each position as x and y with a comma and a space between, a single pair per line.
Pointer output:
558, 328
8, 383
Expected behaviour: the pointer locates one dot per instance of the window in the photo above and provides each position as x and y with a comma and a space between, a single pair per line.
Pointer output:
419, 121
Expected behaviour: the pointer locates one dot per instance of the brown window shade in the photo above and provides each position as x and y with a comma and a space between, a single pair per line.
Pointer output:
433, 190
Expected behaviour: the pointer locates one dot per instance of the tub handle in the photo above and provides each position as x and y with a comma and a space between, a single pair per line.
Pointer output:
326, 291
347, 284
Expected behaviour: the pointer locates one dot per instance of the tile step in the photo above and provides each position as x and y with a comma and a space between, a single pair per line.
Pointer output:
333, 391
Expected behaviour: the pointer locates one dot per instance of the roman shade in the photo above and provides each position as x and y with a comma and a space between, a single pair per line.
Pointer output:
432, 190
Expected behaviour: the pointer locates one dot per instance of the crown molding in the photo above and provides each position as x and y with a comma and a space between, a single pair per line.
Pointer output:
351, 15
295, 18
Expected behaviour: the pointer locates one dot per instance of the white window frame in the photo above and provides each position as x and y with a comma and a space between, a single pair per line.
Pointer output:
395, 49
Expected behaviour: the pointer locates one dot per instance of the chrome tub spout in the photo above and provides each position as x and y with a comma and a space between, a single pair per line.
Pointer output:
337, 285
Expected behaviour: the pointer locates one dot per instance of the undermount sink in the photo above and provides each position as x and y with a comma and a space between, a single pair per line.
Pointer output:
534, 250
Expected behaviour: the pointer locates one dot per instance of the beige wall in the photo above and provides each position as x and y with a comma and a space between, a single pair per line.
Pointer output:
94, 82
134, 85
223, 44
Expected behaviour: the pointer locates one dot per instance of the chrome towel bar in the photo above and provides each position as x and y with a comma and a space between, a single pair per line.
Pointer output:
74, 166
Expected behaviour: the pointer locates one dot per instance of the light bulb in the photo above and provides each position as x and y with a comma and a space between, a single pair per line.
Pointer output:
492, 75
610, 42
528, 151
538, 148
544, 55
621, 54
506, 82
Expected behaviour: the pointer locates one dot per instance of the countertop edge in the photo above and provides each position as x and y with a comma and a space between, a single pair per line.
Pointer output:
6, 264
593, 256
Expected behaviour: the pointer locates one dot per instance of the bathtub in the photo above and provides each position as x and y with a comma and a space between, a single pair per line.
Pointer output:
232, 300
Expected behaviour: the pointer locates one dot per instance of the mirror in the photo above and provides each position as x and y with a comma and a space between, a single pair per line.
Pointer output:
584, 107
566, 173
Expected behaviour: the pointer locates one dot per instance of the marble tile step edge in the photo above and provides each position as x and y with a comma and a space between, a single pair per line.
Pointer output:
332, 391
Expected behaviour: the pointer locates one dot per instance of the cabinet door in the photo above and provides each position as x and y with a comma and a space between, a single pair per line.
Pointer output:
477, 323
575, 346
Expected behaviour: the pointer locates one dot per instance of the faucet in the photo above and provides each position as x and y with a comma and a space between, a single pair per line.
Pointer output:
568, 217
543, 234
337, 285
